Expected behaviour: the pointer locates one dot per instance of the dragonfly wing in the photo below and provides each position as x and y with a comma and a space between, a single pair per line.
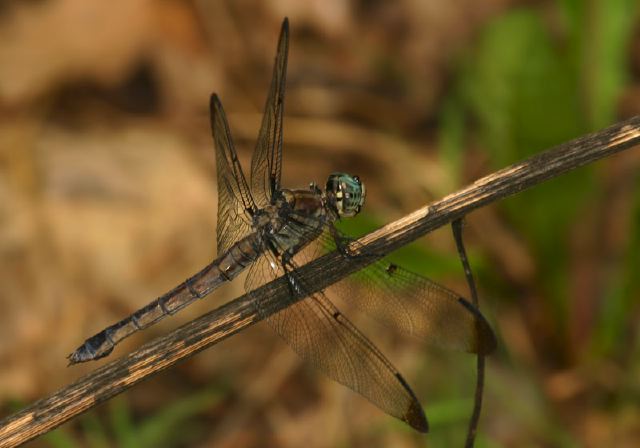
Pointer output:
266, 164
410, 303
417, 306
235, 202
325, 338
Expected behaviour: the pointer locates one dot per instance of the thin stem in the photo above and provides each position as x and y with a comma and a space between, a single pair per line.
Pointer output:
456, 226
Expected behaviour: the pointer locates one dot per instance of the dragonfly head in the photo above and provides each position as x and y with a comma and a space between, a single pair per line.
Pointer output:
345, 193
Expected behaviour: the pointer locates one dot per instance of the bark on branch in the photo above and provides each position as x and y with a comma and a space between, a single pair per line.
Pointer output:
120, 374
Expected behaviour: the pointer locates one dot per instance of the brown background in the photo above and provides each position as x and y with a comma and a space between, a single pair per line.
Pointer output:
108, 199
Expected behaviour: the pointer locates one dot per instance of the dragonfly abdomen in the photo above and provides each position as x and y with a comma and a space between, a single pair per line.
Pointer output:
240, 255
224, 268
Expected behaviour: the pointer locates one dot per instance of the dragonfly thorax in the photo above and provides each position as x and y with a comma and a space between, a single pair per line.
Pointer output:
345, 194
270, 219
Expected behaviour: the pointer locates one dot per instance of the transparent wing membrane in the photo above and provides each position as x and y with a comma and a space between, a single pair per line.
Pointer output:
418, 307
234, 198
326, 339
408, 302
266, 164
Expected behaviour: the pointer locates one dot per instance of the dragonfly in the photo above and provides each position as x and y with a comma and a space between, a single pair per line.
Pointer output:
272, 231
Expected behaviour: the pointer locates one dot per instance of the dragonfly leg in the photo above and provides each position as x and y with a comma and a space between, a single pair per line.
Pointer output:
342, 245
294, 288
286, 261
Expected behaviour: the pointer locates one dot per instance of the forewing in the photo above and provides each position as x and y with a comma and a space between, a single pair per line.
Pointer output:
418, 306
234, 198
266, 164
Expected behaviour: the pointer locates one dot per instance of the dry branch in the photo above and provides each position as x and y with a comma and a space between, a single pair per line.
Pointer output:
117, 376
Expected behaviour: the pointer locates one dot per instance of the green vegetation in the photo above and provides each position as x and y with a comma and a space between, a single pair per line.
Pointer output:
525, 88
174, 425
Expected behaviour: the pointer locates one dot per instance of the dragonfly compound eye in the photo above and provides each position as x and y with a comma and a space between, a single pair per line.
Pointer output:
347, 192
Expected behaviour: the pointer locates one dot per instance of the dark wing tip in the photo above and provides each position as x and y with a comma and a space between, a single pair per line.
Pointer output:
415, 417
485, 340
214, 101
284, 33
214, 106
216, 113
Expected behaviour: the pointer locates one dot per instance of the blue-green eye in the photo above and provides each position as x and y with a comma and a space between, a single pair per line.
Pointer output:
347, 193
